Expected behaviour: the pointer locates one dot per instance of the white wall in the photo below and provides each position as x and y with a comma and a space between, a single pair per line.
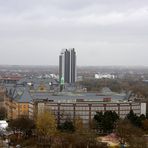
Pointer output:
143, 108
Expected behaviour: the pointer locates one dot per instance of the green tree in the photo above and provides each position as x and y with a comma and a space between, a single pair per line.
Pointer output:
67, 126
98, 118
105, 122
134, 119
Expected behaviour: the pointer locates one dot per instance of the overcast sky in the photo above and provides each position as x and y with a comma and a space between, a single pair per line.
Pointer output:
103, 32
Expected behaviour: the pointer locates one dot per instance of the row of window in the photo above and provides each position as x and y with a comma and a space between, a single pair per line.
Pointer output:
87, 113
94, 108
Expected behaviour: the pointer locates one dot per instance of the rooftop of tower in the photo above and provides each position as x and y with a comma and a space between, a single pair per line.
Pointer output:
67, 49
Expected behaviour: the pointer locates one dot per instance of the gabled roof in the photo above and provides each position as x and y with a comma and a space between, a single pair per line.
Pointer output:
24, 97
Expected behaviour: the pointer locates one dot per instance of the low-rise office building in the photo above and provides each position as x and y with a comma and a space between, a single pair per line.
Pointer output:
87, 109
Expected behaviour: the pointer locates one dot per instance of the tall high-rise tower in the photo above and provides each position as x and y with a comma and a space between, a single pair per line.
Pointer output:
67, 66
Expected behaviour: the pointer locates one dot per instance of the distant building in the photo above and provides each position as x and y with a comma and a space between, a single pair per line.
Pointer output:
67, 66
107, 76
9, 79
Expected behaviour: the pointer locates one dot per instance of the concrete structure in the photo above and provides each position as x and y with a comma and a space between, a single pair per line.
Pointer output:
67, 66
86, 109
143, 108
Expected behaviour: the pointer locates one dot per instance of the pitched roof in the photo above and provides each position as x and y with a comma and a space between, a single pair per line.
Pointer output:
25, 96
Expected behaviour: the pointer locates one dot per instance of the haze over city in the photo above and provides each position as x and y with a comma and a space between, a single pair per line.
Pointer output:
103, 32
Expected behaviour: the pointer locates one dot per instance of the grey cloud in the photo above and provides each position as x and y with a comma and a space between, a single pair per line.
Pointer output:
34, 31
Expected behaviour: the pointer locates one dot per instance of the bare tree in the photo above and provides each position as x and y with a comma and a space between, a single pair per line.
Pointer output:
3, 113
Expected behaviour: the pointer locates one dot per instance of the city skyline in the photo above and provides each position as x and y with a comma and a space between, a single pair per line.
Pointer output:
104, 33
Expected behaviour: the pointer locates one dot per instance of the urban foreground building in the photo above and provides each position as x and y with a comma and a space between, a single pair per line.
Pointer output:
67, 66
69, 107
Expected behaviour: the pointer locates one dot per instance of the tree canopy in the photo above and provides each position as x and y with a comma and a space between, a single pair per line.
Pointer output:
67, 126
130, 134
22, 124
3, 113
46, 124
105, 122
135, 119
